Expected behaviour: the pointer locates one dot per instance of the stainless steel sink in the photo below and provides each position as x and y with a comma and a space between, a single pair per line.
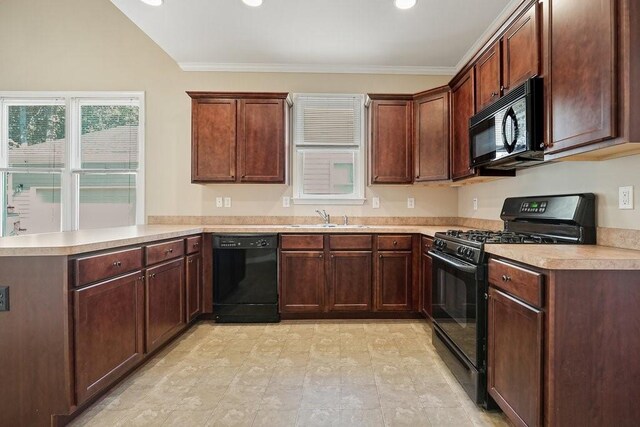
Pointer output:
327, 226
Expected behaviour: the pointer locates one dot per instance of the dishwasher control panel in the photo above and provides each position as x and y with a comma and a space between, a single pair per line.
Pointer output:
245, 241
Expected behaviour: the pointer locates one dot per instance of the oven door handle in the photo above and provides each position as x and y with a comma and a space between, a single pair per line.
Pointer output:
467, 268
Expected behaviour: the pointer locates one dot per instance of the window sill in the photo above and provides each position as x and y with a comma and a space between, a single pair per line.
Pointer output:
329, 201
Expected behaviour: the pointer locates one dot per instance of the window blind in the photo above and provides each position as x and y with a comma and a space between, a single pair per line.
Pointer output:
328, 120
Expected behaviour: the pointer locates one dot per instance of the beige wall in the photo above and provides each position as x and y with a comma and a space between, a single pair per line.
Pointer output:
601, 178
90, 45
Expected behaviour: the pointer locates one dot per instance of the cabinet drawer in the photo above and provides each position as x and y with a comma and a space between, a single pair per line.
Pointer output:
194, 244
517, 281
392, 243
97, 267
301, 241
353, 242
164, 251
427, 244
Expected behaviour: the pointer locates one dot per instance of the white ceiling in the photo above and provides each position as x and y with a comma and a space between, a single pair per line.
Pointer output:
370, 36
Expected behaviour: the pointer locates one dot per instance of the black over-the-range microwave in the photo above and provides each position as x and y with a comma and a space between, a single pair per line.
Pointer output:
508, 134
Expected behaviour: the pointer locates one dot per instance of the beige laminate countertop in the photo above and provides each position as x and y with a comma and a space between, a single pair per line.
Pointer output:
553, 257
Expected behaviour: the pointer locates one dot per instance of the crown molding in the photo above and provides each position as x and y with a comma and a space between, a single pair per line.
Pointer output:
314, 68
490, 31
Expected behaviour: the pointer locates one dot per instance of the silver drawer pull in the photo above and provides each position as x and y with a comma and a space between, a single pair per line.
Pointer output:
117, 263
506, 278
169, 251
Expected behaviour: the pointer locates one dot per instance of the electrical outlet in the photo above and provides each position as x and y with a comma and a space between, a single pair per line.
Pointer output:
4, 298
218, 202
286, 202
376, 202
475, 203
227, 202
625, 197
411, 202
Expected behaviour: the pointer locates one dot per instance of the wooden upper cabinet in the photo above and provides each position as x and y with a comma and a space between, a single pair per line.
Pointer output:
261, 136
488, 77
463, 107
391, 139
521, 50
238, 137
581, 79
213, 140
432, 137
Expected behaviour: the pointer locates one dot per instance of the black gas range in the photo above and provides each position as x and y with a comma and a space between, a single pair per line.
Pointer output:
459, 289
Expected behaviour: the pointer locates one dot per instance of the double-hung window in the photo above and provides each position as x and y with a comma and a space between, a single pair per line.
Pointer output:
70, 160
328, 139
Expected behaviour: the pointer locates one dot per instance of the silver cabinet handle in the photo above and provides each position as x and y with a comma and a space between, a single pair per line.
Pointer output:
506, 278
117, 263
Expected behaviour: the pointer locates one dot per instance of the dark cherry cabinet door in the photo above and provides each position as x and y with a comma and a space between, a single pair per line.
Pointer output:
432, 135
393, 282
515, 358
213, 150
581, 81
108, 332
425, 285
302, 281
391, 146
349, 286
488, 83
261, 140
193, 286
164, 302
521, 50
463, 107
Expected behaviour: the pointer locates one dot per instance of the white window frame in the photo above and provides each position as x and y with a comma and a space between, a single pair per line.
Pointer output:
359, 178
70, 174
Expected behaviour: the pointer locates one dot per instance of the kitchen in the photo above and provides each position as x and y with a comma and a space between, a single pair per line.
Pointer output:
66, 47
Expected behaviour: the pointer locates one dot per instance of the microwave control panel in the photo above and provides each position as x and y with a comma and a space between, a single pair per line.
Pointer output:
533, 207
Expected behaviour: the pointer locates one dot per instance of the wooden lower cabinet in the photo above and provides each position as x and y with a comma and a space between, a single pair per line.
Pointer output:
426, 280
302, 281
164, 302
193, 286
108, 332
349, 281
515, 344
393, 281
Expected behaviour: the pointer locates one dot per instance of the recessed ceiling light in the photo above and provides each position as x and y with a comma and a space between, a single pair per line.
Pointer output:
252, 3
153, 2
405, 4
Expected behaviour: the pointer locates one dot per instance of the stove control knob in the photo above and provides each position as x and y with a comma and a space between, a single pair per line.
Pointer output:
460, 250
469, 253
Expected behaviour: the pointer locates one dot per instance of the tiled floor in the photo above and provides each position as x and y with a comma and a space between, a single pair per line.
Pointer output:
327, 373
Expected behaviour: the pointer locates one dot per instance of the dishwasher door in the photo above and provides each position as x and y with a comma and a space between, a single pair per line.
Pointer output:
245, 278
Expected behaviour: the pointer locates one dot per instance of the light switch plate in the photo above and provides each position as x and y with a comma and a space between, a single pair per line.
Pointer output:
475, 203
376, 202
227, 202
625, 197
411, 202
286, 202
218, 202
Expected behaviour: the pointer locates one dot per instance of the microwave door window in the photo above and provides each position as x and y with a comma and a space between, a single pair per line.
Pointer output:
484, 141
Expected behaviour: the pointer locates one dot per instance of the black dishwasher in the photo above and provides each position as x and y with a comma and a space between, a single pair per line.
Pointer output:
245, 278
